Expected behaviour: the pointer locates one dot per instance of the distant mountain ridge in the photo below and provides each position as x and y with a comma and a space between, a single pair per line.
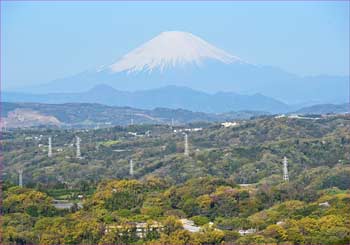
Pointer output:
173, 97
325, 109
183, 59
87, 115
170, 49
92, 115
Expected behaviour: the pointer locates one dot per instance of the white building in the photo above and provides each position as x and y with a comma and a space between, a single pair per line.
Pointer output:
246, 232
230, 124
324, 204
189, 225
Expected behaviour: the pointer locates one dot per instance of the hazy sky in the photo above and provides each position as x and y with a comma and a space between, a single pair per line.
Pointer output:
42, 41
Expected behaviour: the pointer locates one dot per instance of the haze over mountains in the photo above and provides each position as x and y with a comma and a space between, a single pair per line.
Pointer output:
169, 97
90, 115
188, 62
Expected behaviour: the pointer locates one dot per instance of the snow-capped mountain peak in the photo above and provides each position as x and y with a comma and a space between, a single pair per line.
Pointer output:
170, 49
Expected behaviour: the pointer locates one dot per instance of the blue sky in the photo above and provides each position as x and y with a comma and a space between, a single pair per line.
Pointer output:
42, 41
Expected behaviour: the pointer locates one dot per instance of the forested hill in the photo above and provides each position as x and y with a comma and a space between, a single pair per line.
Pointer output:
325, 109
248, 151
87, 115
229, 189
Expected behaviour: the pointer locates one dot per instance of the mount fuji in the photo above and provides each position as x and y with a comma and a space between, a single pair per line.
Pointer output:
170, 50
185, 60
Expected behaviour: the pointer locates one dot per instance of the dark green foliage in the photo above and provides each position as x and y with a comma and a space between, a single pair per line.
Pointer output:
340, 180
313, 207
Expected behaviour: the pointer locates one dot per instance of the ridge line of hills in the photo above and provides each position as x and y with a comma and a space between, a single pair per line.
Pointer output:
96, 115
172, 97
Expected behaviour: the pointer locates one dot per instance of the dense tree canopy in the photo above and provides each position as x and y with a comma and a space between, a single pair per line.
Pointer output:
230, 183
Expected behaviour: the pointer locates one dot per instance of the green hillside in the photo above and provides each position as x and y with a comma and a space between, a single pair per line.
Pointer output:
231, 182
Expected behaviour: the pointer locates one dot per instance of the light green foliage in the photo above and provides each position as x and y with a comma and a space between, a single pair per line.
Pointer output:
312, 208
29, 201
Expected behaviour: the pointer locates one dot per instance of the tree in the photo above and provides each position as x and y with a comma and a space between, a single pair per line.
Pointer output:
123, 234
191, 207
54, 230
87, 231
210, 235
17, 229
200, 220
277, 232
177, 237
171, 224
254, 239
230, 237
27, 200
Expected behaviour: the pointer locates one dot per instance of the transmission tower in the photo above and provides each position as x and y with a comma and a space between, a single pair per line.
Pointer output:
285, 169
20, 179
49, 153
78, 154
131, 171
186, 152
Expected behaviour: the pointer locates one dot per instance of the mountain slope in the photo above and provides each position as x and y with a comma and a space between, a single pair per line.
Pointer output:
186, 48
324, 109
92, 115
170, 97
182, 59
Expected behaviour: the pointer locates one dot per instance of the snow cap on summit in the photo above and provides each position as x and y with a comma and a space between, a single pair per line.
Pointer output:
170, 49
